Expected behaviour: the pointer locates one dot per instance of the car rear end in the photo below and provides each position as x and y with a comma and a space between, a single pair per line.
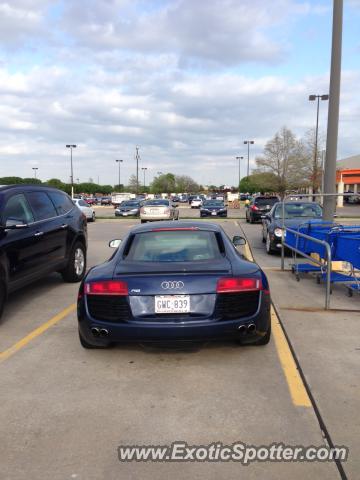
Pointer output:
196, 203
155, 211
262, 206
154, 299
213, 209
128, 209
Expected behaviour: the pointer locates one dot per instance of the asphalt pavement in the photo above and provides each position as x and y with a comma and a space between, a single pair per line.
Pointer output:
65, 410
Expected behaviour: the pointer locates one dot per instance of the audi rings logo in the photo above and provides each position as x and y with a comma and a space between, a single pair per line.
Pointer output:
172, 285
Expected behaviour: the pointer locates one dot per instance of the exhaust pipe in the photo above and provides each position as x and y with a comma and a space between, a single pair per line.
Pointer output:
95, 331
251, 328
104, 332
242, 329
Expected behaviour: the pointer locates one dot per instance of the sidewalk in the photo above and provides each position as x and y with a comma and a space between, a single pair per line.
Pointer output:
327, 346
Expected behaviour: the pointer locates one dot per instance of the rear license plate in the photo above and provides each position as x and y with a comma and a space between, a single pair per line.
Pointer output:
172, 304
153, 211
213, 213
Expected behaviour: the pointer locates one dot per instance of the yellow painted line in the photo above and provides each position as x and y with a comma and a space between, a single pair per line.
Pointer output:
296, 386
35, 333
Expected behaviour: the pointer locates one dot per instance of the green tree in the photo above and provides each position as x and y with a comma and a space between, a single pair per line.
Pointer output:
56, 183
164, 183
32, 181
184, 183
11, 180
259, 182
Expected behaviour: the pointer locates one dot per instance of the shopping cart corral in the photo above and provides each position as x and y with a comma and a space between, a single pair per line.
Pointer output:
322, 244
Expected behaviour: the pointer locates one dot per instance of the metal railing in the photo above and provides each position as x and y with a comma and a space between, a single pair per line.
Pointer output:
327, 263
302, 195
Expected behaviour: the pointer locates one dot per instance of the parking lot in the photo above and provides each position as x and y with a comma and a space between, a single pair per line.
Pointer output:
65, 410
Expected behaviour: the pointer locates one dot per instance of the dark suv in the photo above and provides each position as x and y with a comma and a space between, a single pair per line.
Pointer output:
259, 206
41, 231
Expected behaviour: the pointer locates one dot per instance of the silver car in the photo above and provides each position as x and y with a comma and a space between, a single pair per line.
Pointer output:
158, 209
85, 208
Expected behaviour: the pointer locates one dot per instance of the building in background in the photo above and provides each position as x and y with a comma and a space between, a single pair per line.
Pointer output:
348, 176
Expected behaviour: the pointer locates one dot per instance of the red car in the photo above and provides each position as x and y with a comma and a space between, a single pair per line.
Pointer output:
90, 201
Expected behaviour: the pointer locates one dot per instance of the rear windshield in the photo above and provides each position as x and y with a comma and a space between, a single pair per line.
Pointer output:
130, 204
293, 210
266, 201
214, 203
156, 202
174, 246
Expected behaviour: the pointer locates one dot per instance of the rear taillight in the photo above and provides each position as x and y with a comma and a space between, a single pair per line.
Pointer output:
232, 284
254, 207
107, 287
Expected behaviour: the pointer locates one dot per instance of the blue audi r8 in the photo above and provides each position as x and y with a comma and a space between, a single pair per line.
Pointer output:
174, 283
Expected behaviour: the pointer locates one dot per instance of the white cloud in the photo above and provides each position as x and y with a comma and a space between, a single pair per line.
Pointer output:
21, 20
218, 32
124, 78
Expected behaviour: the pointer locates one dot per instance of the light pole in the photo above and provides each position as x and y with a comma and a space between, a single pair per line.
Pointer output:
144, 170
72, 173
137, 169
248, 142
239, 158
35, 170
119, 162
312, 98
322, 169
333, 112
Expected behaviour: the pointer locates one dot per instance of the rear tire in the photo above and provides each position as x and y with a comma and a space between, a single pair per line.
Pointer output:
76, 267
143, 221
88, 346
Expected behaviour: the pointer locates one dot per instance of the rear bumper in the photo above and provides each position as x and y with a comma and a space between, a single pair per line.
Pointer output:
126, 214
257, 215
154, 218
209, 214
144, 331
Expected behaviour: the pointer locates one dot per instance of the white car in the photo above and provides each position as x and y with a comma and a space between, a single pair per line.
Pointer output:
196, 202
85, 208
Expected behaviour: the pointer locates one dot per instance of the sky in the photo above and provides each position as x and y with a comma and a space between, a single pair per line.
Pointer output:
185, 80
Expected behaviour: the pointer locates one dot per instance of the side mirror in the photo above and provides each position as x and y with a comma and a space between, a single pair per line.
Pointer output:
13, 224
238, 240
115, 243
